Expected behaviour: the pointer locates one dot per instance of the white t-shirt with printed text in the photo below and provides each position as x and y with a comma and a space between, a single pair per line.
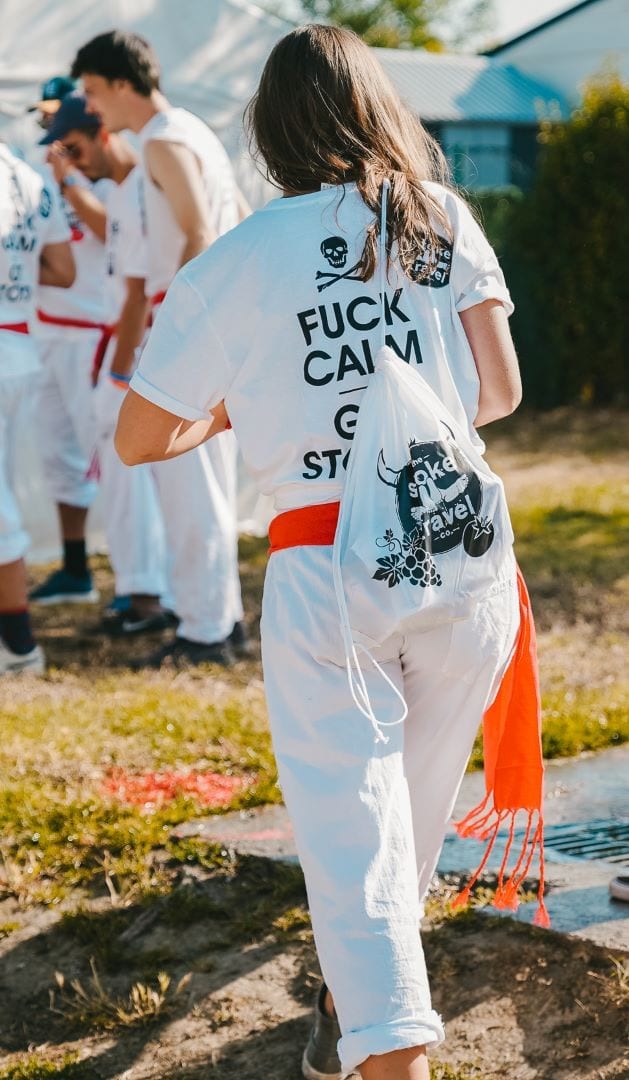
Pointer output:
166, 240
30, 218
273, 320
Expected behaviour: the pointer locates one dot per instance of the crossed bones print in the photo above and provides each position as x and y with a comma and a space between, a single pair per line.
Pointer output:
332, 278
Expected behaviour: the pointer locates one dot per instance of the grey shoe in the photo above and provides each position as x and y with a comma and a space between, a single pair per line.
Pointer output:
320, 1060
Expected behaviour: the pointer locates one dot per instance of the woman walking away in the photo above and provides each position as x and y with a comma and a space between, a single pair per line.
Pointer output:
276, 329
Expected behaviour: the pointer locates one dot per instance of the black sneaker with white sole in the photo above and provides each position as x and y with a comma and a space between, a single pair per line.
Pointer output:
320, 1060
130, 623
240, 642
182, 653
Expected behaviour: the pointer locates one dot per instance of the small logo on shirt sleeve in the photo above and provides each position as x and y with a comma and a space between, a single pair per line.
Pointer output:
45, 203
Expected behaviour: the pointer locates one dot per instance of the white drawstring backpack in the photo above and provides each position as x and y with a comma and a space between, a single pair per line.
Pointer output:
423, 526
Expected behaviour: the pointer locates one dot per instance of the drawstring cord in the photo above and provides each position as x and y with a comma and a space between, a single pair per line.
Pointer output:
355, 677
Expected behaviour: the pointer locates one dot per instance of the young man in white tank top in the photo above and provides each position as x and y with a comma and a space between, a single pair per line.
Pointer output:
133, 521
191, 199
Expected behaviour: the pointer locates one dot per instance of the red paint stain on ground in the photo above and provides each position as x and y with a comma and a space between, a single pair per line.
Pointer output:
156, 788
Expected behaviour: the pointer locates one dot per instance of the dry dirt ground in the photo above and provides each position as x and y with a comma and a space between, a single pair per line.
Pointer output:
518, 1003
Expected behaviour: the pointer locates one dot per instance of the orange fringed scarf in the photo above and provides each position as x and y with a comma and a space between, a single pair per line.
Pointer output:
514, 771
512, 748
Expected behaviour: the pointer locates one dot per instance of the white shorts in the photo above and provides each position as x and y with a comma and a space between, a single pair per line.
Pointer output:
370, 818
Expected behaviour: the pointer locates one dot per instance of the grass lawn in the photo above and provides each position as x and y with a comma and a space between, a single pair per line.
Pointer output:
91, 755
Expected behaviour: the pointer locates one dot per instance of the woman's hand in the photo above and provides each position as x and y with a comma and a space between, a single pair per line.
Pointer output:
487, 330
146, 432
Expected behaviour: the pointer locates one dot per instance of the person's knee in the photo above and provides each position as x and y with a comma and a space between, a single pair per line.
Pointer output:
408, 1064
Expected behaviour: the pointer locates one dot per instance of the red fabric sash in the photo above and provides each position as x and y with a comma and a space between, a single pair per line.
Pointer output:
16, 327
511, 733
107, 331
157, 299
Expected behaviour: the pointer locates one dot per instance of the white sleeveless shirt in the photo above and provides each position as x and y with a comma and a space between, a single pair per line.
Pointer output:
165, 239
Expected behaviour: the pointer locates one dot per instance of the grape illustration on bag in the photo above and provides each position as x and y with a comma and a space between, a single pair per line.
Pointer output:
438, 501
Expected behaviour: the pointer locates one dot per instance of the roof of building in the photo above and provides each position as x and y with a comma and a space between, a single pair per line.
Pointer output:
540, 27
450, 87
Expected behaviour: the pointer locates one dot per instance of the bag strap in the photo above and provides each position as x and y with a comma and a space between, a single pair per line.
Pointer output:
355, 676
382, 257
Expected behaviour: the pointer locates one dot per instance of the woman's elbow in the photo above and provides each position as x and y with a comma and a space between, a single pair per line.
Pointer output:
128, 453
498, 406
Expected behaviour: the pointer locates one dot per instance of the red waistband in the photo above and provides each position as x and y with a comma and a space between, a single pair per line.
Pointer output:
16, 327
308, 525
158, 297
77, 324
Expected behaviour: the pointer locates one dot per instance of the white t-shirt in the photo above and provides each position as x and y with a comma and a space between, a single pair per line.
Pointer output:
30, 218
87, 298
166, 241
273, 320
126, 239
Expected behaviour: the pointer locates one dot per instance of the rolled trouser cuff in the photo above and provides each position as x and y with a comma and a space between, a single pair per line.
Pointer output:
356, 1046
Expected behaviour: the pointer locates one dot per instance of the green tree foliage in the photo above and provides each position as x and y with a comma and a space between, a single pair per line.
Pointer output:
565, 253
394, 23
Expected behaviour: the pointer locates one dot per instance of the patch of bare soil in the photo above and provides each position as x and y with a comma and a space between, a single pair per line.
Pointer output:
517, 1003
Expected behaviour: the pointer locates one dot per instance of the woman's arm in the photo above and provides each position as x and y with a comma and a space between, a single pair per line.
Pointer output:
147, 433
487, 329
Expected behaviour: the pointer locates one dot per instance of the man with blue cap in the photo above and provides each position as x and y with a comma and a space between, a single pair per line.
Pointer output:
74, 327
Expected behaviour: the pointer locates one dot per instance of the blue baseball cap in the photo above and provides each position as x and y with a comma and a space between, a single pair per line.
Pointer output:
53, 92
72, 115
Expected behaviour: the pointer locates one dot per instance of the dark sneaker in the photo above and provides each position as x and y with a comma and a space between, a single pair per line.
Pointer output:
130, 622
60, 587
181, 653
115, 606
320, 1060
240, 642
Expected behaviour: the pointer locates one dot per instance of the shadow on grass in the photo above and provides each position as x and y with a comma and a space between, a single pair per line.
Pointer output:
201, 927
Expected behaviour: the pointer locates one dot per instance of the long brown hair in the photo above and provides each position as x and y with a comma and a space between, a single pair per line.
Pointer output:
325, 112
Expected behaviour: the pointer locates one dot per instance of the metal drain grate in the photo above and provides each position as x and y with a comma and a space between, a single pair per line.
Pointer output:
607, 839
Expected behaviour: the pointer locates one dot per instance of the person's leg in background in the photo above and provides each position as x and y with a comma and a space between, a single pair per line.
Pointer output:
64, 423
133, 525
348, 800
202, 545
18, 649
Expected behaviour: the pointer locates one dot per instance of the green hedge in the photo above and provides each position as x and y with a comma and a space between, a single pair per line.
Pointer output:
564, 247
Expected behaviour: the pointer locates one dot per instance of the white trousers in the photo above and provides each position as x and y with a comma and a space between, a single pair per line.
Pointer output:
186, 506
65, 425
14, 540
370, 818
132, 516
197, 496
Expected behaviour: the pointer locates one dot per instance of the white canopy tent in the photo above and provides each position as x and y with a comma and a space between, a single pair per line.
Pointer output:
211, 54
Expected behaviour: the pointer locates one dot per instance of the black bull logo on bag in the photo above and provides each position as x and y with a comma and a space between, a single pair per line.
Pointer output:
438, 501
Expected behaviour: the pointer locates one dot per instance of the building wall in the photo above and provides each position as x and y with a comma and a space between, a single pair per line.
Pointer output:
568, 52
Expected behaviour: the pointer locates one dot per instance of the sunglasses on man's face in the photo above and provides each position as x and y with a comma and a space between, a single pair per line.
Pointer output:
72, 151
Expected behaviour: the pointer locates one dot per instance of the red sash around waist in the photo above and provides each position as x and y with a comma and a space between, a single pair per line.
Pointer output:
107, 331
511, 732
16, 327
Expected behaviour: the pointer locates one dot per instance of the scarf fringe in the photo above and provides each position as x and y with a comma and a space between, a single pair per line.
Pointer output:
484, 824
